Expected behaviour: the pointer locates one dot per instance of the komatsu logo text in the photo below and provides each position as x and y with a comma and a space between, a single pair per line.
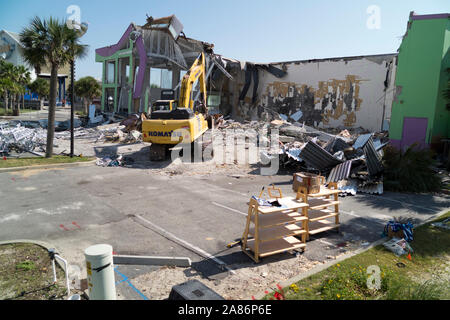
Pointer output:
164, 134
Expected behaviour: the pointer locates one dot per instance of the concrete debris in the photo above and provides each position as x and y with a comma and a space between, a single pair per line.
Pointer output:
340, 154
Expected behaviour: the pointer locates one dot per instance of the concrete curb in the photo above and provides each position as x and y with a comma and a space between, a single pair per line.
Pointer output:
152, 260
326, 265
49, 166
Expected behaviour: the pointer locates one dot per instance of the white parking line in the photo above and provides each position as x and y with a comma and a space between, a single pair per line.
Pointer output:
184, 243
372, 215
225, 189
228, 208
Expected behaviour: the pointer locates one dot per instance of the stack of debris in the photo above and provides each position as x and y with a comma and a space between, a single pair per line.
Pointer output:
21, 139
127, 131
352, 158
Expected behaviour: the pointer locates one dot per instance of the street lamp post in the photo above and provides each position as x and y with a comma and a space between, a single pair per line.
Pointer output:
72, 100
80, 30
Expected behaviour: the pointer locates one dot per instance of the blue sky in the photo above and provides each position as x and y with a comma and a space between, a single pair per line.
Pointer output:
249, 30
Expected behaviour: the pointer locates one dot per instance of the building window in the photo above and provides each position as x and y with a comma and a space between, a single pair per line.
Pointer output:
110, 71
161, 78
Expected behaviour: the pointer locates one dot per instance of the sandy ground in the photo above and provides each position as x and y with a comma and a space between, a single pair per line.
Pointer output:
249, 279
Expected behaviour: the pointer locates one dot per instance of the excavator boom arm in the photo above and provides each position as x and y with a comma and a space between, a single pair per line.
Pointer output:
197, 71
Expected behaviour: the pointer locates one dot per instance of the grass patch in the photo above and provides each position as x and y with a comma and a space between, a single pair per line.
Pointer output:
10, 112
26, 274
35, 161
26, 265
425, 277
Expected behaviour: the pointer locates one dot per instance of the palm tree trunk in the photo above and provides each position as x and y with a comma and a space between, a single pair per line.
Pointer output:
51, 111
6, 103
86, 109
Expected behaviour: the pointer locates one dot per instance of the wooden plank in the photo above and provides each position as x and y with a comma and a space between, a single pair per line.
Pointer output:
321, 226
277, 246
280, 218
324, 192
277, 232
315, 204
315, 215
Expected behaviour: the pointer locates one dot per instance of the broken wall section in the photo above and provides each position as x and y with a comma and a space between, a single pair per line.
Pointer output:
343, 92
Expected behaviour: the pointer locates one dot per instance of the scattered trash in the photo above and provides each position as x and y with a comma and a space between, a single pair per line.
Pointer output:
401, 265
394, 229
398, 246
108, 162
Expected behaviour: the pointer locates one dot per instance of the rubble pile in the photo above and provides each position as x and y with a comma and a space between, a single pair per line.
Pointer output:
21, 139
27, 135
127, 131
351, 157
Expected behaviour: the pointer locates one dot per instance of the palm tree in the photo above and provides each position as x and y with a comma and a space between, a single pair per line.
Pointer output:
51, 42
22, 77
41, 87
87, 88
7, 78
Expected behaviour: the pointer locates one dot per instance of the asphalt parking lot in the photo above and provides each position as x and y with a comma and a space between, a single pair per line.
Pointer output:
141, 212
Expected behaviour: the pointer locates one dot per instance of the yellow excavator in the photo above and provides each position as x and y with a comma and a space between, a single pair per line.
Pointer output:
184, 121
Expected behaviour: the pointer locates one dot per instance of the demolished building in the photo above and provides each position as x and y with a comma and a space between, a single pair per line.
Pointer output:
349, 91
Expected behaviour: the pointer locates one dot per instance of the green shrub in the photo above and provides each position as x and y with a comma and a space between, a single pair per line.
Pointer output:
410, 170
402, 289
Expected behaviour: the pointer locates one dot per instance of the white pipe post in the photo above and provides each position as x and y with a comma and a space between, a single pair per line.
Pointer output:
54, 271
100, 272
66, 266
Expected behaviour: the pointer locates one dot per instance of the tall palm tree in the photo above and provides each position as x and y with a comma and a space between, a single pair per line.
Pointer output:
52, 42
23, 78
7, 78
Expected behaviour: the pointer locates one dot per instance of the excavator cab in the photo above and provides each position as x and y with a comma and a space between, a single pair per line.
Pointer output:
167, 101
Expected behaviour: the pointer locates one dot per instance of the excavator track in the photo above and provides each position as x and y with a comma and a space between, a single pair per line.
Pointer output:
158, 152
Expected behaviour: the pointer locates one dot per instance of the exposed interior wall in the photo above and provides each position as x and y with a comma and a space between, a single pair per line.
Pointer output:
347, 92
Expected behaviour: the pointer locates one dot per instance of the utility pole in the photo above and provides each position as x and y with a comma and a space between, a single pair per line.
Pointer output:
80, 30
72, 101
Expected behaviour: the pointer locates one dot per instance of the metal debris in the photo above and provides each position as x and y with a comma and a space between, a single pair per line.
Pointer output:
21, 139
373, 159
317, 157
340, 172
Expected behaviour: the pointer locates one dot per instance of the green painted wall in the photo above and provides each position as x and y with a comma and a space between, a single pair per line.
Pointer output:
124, 53
419, 74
